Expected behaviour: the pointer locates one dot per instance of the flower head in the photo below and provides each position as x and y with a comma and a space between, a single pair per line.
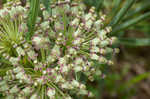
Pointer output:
65, 45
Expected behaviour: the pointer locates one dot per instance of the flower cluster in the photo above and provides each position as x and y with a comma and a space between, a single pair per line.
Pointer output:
66, 43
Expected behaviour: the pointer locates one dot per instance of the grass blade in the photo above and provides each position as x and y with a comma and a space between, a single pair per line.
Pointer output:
130, 23
138, 79
122, 12
143, 7
135, 41
34, 9
133, 81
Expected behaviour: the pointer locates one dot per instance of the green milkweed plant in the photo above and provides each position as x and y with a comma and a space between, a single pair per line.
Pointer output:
65, 44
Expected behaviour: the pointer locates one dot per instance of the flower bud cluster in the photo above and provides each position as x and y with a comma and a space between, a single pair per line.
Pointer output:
66, 44
12, 29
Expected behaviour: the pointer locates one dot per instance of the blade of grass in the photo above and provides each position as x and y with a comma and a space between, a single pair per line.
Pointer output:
116, 7
130, 23
34, 9
122, 12
138, 79
98, 4
143, 7
134, 80
135, 41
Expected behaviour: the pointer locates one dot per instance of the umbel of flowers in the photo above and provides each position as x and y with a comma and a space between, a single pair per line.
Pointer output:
66, 43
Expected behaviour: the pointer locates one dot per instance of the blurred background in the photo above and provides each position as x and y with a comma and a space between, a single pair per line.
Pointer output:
129, 77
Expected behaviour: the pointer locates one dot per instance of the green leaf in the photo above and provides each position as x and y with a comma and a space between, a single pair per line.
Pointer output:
135, 41
122, 12
130, 23
34, 9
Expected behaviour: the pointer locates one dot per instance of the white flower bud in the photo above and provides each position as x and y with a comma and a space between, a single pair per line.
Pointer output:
78, 68
88, 24
31, 54
79, 61
20, 75
56, 51
75, 83
46, 14
27, 91
34, 96
20, 51
102, 60
75, 22
65, 85
17, 70
51, 92
44, 72
82, 87
95, 41
77, 33
45, 25
14, 60
88, 16
83, 92
4, 87
14, 89
94, 49
94, 57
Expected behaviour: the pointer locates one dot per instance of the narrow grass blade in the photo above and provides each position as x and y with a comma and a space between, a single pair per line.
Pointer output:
116, 7
34, 9
130, 23
138, 79
133, 81
122, 12
143, 7
135, 41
